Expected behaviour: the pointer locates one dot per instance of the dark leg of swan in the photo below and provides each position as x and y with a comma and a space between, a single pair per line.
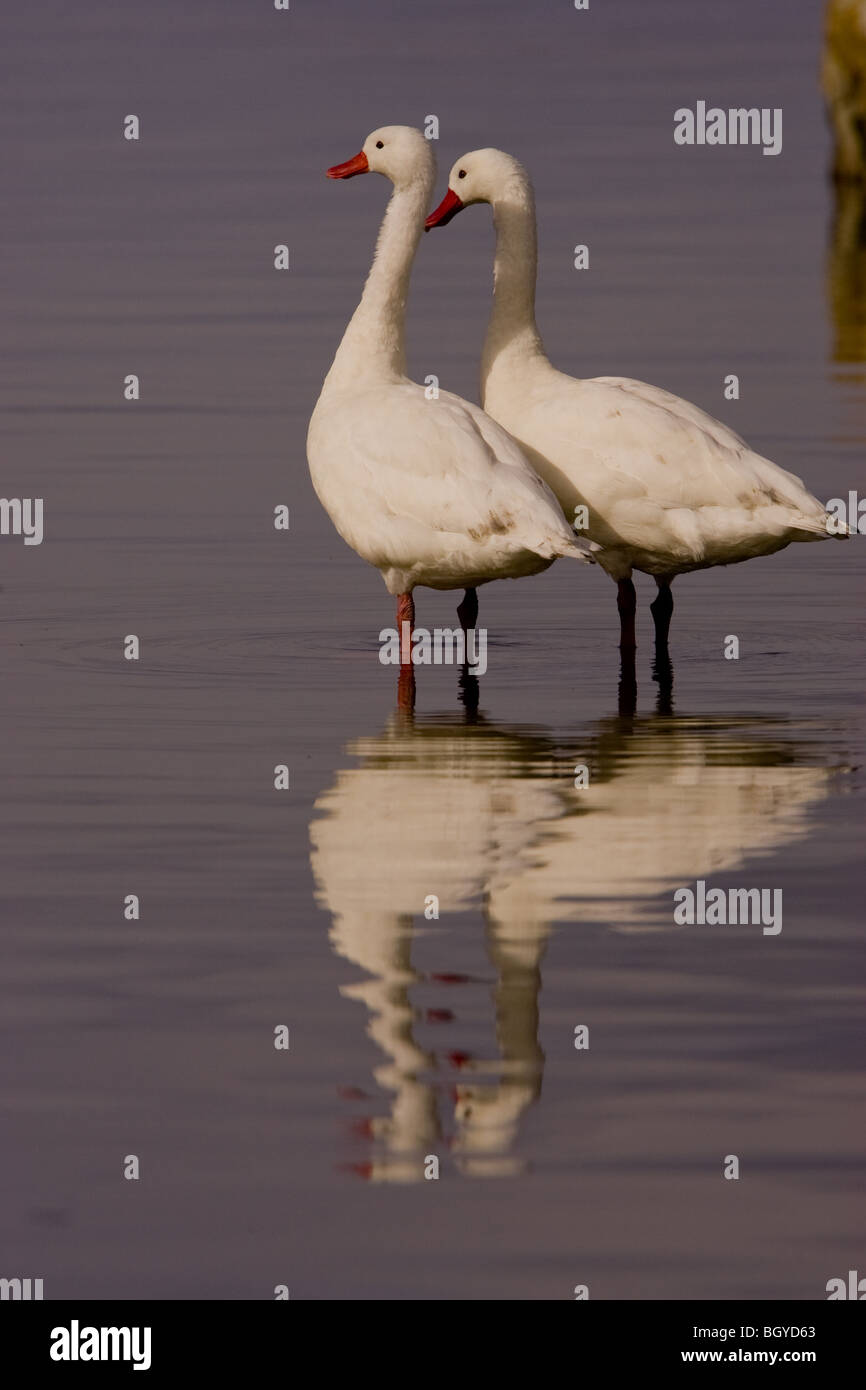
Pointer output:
626, 602
406, 679
663, 675
468, 693
467, 685
627, 682
661, 608
467, 611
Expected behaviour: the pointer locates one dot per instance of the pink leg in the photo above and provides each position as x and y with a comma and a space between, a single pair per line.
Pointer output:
406, 690
405, 614
406, 679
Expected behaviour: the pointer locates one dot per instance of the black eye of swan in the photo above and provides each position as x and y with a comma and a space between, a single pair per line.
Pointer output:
462, 174
380, 145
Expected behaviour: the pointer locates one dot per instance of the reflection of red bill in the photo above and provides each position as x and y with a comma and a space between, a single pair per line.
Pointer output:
352, 1093
360, 1170
460, 1059
448, 208
358, 165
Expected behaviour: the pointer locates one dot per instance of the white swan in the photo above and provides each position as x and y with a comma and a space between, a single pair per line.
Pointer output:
431, 492
667, 488
488, 819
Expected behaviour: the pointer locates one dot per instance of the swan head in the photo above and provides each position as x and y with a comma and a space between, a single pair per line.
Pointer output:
482, 176
400, 152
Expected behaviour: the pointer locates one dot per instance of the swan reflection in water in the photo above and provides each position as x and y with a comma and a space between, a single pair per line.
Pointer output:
489, 820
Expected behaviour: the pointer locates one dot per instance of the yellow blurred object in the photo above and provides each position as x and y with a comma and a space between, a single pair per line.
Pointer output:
843, 78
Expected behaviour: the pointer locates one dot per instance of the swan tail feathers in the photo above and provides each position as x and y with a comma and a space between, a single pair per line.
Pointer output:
569, 549
822, 524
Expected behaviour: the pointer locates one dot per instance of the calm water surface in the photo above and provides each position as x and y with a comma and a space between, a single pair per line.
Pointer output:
412, 1036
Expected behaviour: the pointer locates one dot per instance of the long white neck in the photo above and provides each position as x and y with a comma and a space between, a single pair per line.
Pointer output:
373, 346
512, 334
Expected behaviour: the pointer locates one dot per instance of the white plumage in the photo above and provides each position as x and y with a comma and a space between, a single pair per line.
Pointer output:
430, 491
667, 488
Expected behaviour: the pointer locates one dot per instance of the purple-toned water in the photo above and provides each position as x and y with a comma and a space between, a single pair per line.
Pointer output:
409, 1036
